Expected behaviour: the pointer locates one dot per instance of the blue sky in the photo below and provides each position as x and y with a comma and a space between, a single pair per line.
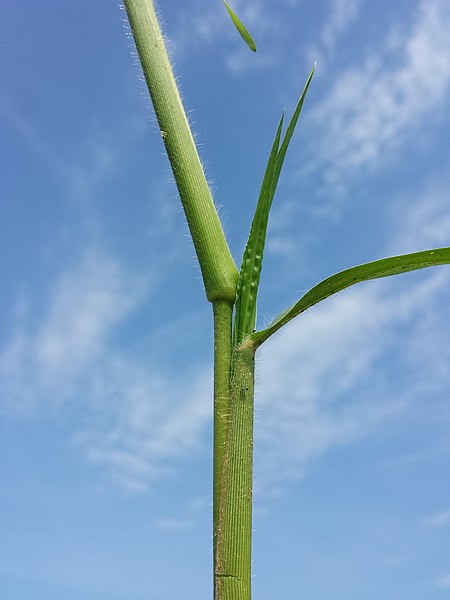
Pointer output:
105, 347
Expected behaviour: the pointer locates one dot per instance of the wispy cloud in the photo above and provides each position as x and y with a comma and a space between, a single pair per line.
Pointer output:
144, 424
422, 218
172, 524
320, 386
205, 24
49, 352
31, 137
342, 15
438, 520
378, 107
96, 161
136, 423
443, 581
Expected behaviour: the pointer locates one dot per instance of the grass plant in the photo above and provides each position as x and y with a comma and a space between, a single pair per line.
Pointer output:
233, 294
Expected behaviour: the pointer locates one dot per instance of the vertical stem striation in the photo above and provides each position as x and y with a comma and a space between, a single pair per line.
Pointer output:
233, 375
223, 313
232, 576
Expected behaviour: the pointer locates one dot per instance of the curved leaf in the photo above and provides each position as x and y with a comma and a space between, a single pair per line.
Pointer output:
372, 270
241, 28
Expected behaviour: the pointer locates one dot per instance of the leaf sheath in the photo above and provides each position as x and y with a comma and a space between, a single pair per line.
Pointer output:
217, 265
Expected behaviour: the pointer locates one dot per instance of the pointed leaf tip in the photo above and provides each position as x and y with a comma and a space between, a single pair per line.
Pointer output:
243, 31
249, 275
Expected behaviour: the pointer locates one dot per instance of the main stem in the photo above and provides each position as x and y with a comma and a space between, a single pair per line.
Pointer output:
232, 573
223, 313
233, 374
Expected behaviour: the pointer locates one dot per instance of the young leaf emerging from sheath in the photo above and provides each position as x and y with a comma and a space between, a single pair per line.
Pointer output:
249, 276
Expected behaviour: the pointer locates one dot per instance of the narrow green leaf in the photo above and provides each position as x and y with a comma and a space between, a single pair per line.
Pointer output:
250, 273
372, 270
241, 28
291, 127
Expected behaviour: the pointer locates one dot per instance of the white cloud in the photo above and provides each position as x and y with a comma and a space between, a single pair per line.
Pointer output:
85, 304
172, 524
135, 423
342, 15
320, 385
144, 423
206, 23
374, 109
443, 581
423, 221
82, 173
31, 137
438, 520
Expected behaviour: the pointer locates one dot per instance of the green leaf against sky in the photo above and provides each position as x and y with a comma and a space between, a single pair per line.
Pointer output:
249, 275
241, 28
250, 272
385, 267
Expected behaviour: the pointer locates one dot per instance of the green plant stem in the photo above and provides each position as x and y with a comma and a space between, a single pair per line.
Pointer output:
232, 575
223, 315
233, 393
217, 265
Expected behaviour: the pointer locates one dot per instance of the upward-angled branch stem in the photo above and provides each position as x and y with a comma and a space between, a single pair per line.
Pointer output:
218, 268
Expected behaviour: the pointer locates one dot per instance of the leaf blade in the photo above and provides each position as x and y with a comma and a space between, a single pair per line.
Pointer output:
292, 124
243, 31
249, 274
384, 267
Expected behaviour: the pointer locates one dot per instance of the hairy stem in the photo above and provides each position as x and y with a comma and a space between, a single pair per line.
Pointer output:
232, 574
233, 392
218, 268
223, 313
